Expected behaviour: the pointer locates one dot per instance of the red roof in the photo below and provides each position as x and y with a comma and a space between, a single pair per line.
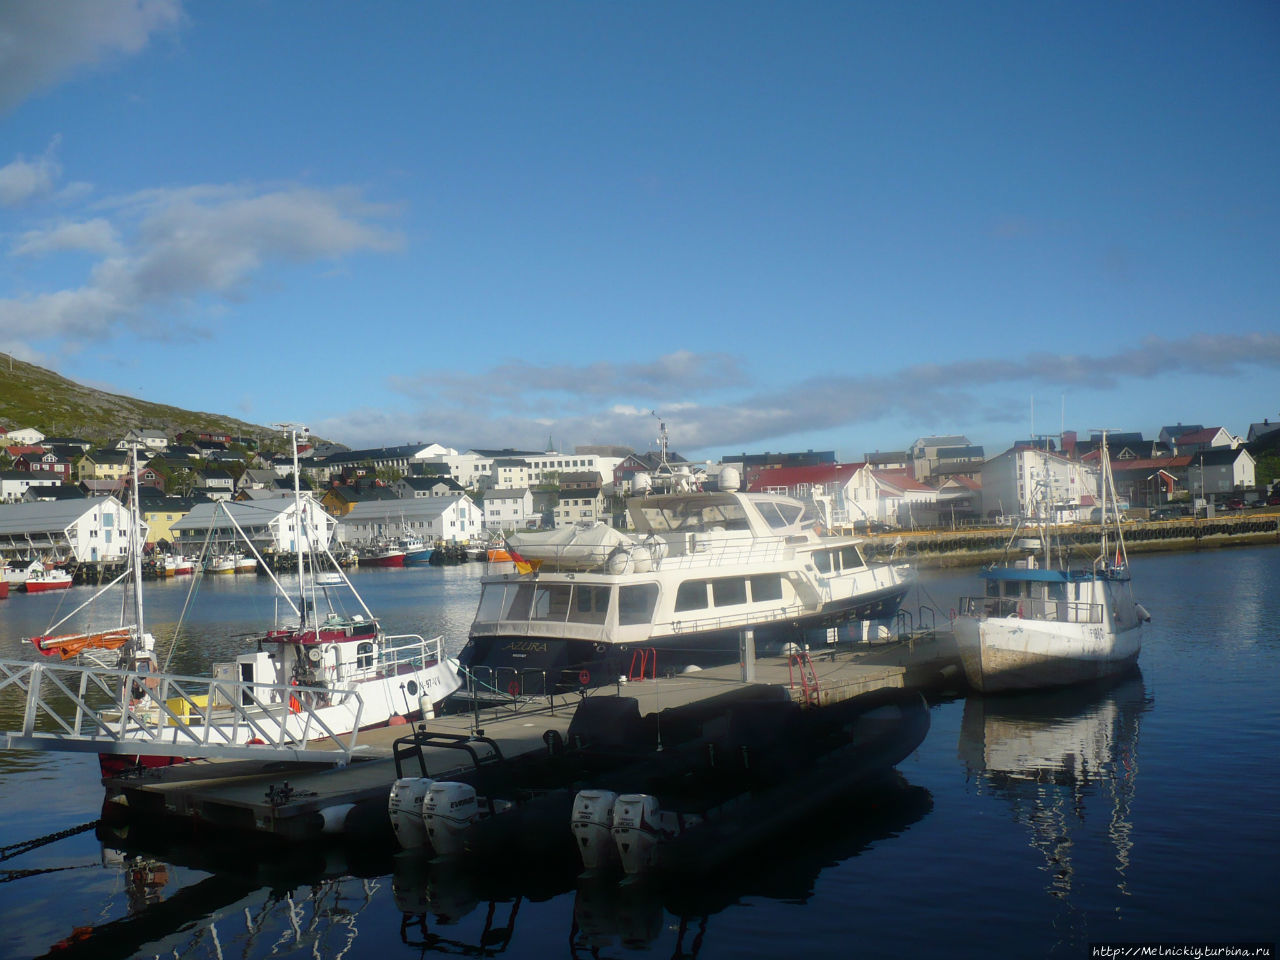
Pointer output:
1152, 463
904, 480
1199, 436
791, 477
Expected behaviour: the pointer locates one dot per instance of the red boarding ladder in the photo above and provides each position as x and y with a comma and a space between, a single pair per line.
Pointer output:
808, 676
644, 660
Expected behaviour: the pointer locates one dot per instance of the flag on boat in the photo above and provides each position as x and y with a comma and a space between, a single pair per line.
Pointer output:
522, 565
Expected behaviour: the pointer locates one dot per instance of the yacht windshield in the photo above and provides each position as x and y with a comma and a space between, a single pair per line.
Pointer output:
702, 513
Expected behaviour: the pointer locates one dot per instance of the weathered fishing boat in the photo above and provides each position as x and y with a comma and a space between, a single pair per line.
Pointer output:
1043, 622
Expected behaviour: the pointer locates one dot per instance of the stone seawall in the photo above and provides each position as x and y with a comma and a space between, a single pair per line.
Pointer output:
961, 548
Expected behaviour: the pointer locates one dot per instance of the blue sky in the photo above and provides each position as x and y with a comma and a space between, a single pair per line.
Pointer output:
779, 226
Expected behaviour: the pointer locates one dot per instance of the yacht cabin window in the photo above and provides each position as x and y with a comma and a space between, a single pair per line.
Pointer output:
636, 603
590, 603
729, 591
692, 595
766, 587
822, 560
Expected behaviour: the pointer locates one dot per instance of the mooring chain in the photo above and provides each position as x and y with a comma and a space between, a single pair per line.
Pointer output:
14, 849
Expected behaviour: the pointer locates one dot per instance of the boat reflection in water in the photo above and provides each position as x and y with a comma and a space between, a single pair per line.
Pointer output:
1053, 756
184, 896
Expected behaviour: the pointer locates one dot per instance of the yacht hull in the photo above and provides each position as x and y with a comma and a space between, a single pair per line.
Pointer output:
523, 665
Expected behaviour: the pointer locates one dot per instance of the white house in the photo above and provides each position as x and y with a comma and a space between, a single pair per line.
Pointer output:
891, 497
510, 510
15, 483
270, 525
412, 488
431, 518
24, 436
151, 439
1018, 481
87, 530
1221, 470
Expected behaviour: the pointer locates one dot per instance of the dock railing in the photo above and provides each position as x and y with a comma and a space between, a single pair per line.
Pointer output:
76, 708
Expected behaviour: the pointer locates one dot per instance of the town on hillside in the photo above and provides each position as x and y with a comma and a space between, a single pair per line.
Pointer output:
50, 486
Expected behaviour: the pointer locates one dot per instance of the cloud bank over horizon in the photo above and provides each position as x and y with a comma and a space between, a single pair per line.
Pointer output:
521, 404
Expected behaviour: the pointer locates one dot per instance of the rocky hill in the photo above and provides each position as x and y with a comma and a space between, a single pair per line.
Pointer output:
31, 396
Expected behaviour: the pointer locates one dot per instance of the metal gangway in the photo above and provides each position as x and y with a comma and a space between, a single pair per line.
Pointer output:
72, 707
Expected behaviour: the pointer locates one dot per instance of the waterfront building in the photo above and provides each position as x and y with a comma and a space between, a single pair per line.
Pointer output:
1012, 481
431, 518
270, 525
86, 530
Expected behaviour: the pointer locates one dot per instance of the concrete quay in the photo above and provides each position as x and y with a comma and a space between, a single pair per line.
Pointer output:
980, 545
291, 802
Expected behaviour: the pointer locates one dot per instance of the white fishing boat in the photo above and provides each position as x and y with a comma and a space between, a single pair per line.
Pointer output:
1043, 622
322, 674
221, 564
587, 606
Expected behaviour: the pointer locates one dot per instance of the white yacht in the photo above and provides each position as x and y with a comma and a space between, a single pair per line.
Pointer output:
589, 605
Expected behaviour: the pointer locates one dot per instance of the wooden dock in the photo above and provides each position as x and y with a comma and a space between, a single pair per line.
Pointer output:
293, 801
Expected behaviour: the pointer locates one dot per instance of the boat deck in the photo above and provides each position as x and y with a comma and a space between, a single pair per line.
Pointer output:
288, 800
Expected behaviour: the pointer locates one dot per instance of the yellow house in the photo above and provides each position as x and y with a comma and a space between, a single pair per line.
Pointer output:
111, 465
161, 516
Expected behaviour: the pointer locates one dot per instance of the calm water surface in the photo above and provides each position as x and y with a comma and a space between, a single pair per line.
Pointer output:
1027, 826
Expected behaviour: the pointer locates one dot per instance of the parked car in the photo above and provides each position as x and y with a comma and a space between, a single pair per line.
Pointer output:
1257, 502
1273, 500
1166, 513
1235, 503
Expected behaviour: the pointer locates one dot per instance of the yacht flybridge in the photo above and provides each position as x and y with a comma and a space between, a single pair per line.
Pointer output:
701, 568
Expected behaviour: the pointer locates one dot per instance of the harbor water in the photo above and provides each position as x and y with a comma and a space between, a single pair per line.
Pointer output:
1038, 825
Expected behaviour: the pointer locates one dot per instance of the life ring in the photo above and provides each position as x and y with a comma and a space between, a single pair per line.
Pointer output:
513, 688
584, 677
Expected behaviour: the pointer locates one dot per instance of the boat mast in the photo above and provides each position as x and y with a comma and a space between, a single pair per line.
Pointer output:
1106, 471
135, 547
292, 429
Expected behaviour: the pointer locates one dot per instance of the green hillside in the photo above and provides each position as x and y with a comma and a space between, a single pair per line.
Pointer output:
31, 396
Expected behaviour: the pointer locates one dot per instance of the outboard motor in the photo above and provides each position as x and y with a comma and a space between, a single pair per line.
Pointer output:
448, 812
636, 831
404, 806
592, 827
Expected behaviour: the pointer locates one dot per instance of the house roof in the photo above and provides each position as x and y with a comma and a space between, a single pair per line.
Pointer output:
791, 477
1204, 435
903, 480
1148, 464
424, 508
56, 491
430, 483
505, 493
51, 516
1262, 429
244, 512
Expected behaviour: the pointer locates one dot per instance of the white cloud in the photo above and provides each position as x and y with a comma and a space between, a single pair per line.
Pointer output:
168, 250
576, 405
24, 179
43, 42
90, 236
